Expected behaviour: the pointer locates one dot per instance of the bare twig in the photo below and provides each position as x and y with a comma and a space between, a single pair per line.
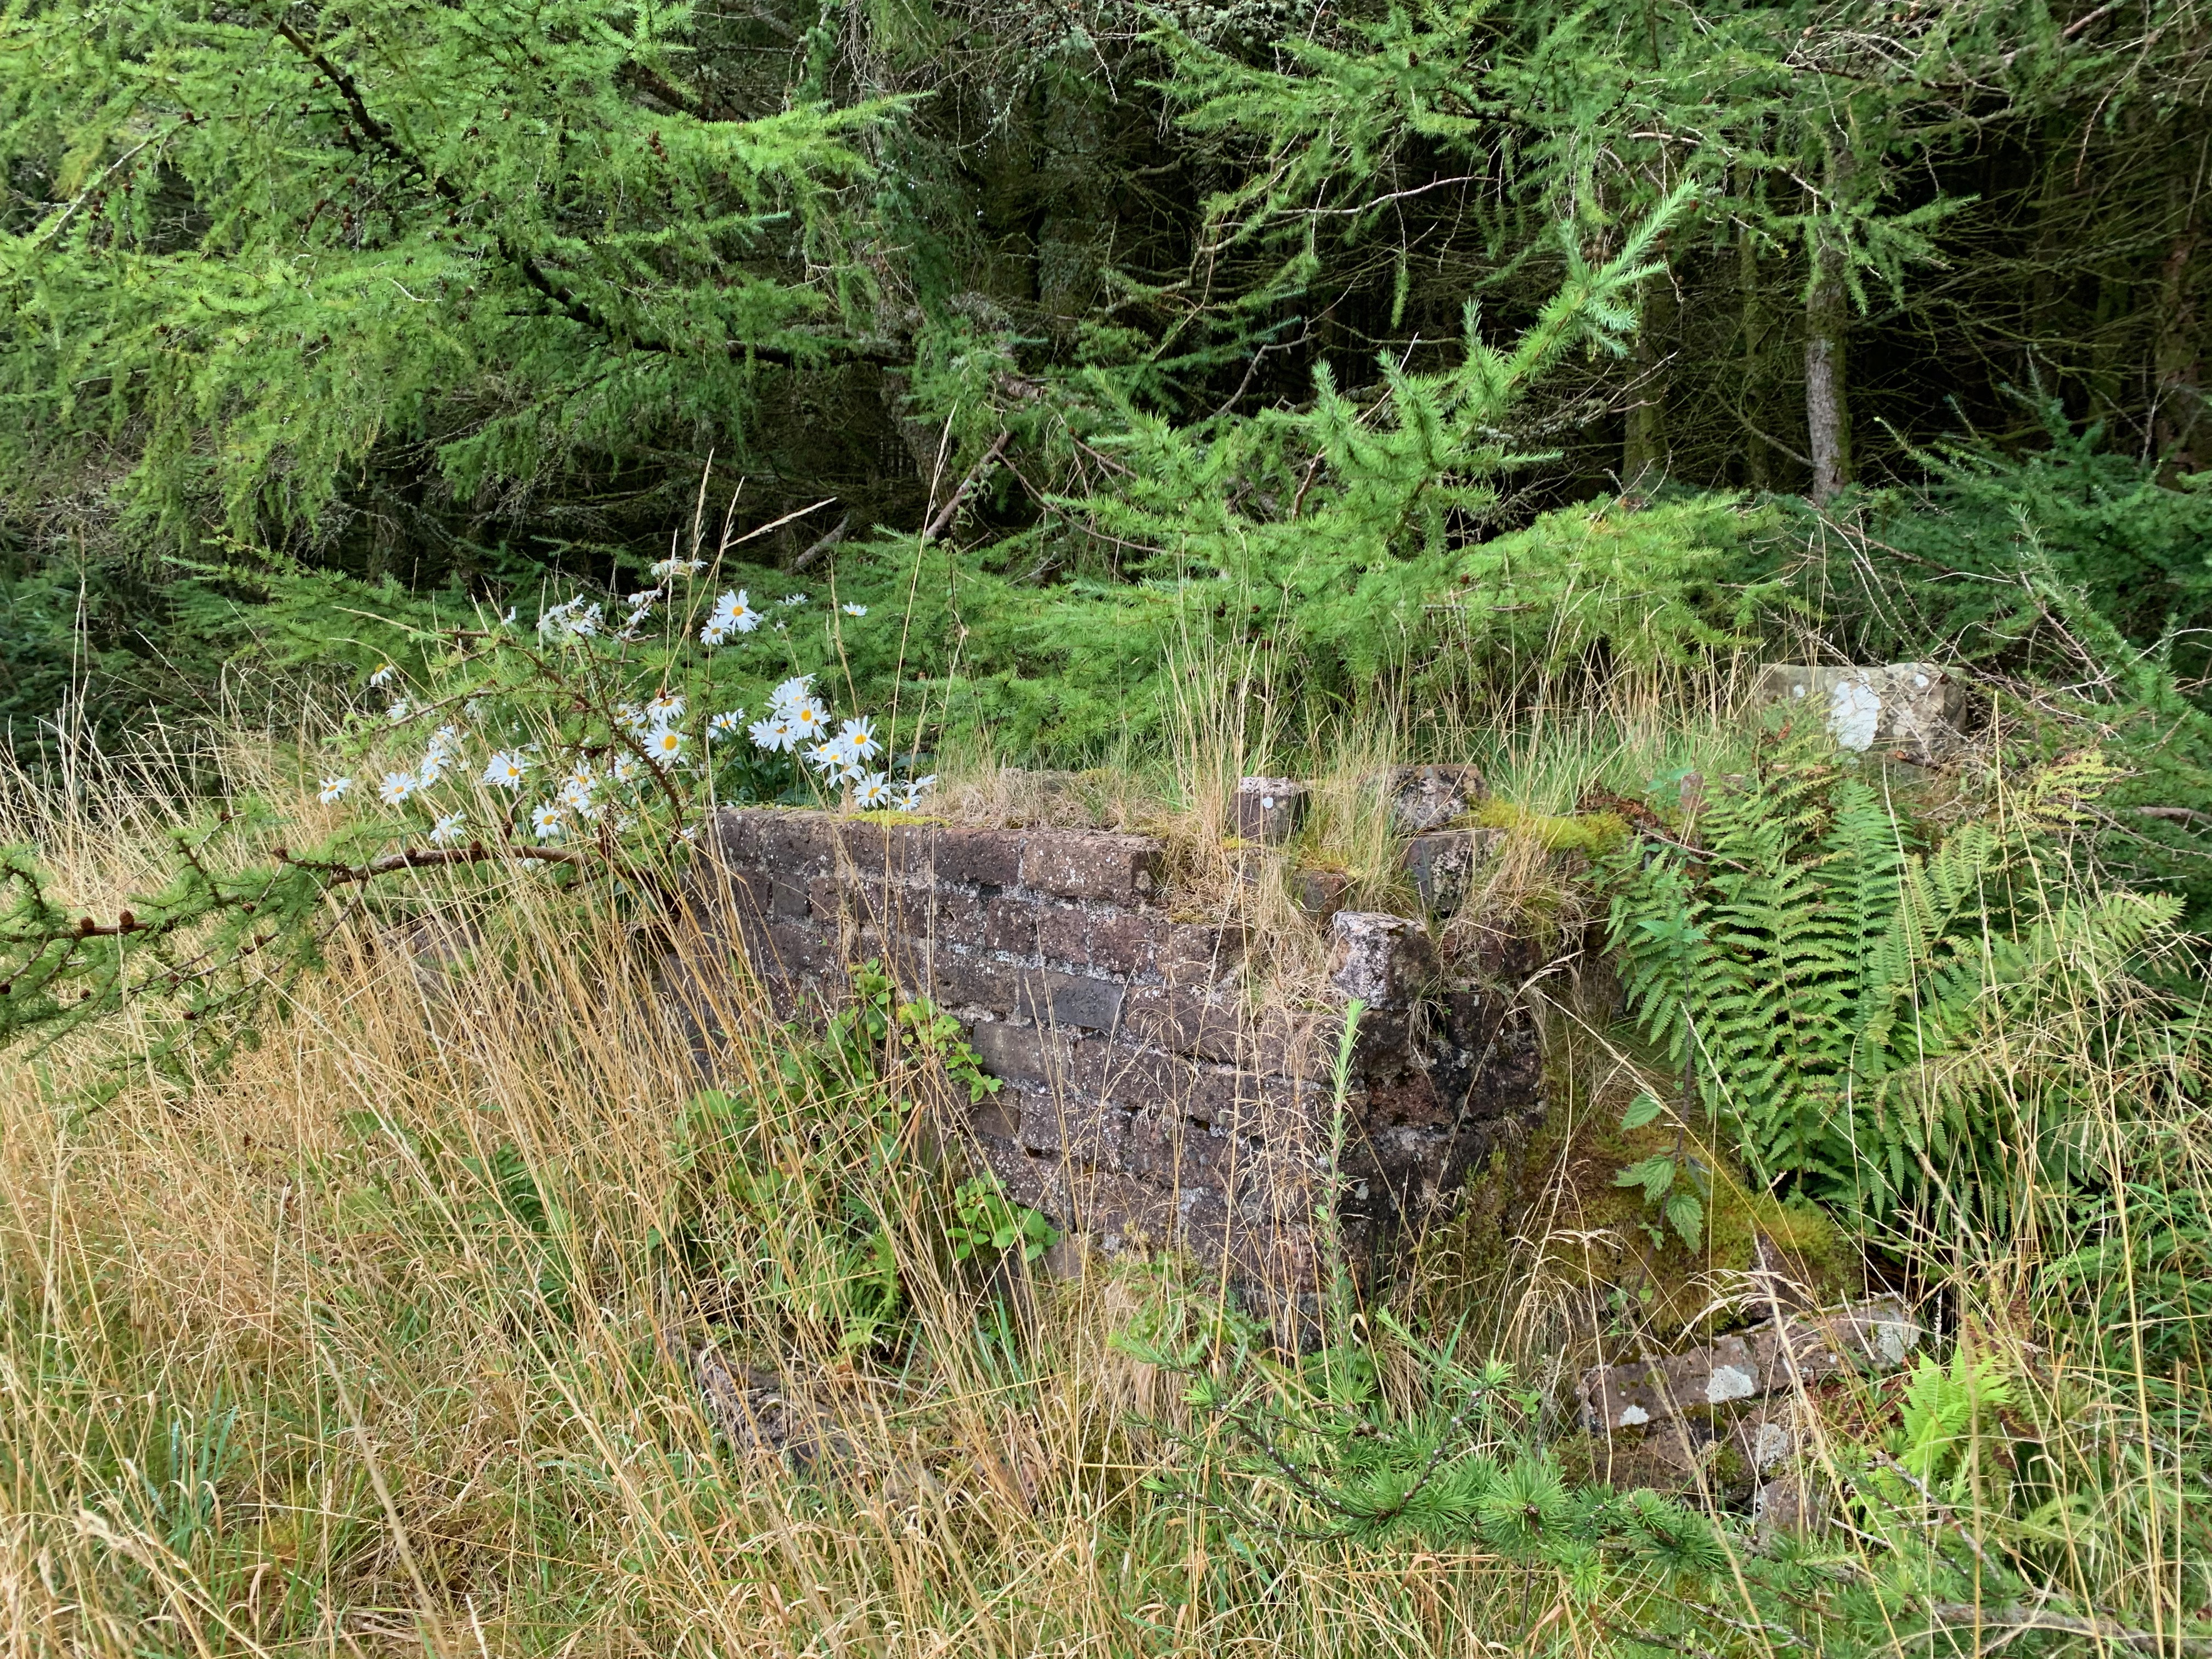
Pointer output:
942, 521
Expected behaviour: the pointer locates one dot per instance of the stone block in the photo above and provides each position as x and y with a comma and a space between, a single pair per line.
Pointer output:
1127, 942
1319, 894
1772, 1359
1019, 1052
1091, 863
1187, 1022
1269, 810
799, 948
1062, 933
1382, 960
1425, 797
1080, 1134
1443, 863
1172, 1152
1198, 953
1087, 1004
1009, 923
1906, 711
997, 1116
793, 844
983, 858
963, 979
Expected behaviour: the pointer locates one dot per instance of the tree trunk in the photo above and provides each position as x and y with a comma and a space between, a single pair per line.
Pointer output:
2178, 428
1827, 331
1751, 384
1644, 450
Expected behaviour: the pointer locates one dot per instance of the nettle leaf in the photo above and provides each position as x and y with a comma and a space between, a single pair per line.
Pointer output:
1654, 1175
1685, 1215
1644, 1110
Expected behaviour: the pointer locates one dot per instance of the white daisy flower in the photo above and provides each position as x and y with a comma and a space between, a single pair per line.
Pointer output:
789, 694
793, 599
853, 610
630, 717
432, 769
547, 821
871, 792
398, 711
666, 745
398, 789
830, 755
808, 718
666, 709
716, 631
507, 620
643, 595
506, 770
383, 676
859, 735
334, 790
571, 618
447, 829
667, 567
774, 734
726, 724
909, 798
624, 767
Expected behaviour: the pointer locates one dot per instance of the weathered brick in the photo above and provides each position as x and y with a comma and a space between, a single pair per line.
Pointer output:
877, 848
1171, 1153
1199, 953
825, 898
997, 1115
962, 980
1127, 941
1321, 893
1090, 1004
1443, 865
1008, 1050
1170, 1017
794, 843
987, 858
801, 947
1078, 1131
1089, 864
1063, 934
1009, 924
1123, 1212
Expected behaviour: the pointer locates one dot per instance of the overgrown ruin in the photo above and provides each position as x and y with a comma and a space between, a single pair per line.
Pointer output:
1149, 1101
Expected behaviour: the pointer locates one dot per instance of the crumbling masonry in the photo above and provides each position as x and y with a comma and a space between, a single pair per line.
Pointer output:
1145, 1104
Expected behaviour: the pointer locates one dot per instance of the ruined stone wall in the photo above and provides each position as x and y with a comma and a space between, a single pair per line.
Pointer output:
1147, 1102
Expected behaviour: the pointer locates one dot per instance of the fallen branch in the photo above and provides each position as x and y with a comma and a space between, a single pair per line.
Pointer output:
938, 525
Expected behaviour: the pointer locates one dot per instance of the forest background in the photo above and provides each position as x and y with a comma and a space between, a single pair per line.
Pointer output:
466, 300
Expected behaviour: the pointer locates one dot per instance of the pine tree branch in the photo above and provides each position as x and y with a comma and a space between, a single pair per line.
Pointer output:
576, 307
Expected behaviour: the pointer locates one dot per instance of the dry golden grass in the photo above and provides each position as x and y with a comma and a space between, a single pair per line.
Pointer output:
289, 1363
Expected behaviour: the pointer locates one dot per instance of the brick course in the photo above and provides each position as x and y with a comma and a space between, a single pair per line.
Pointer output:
1146, 1104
